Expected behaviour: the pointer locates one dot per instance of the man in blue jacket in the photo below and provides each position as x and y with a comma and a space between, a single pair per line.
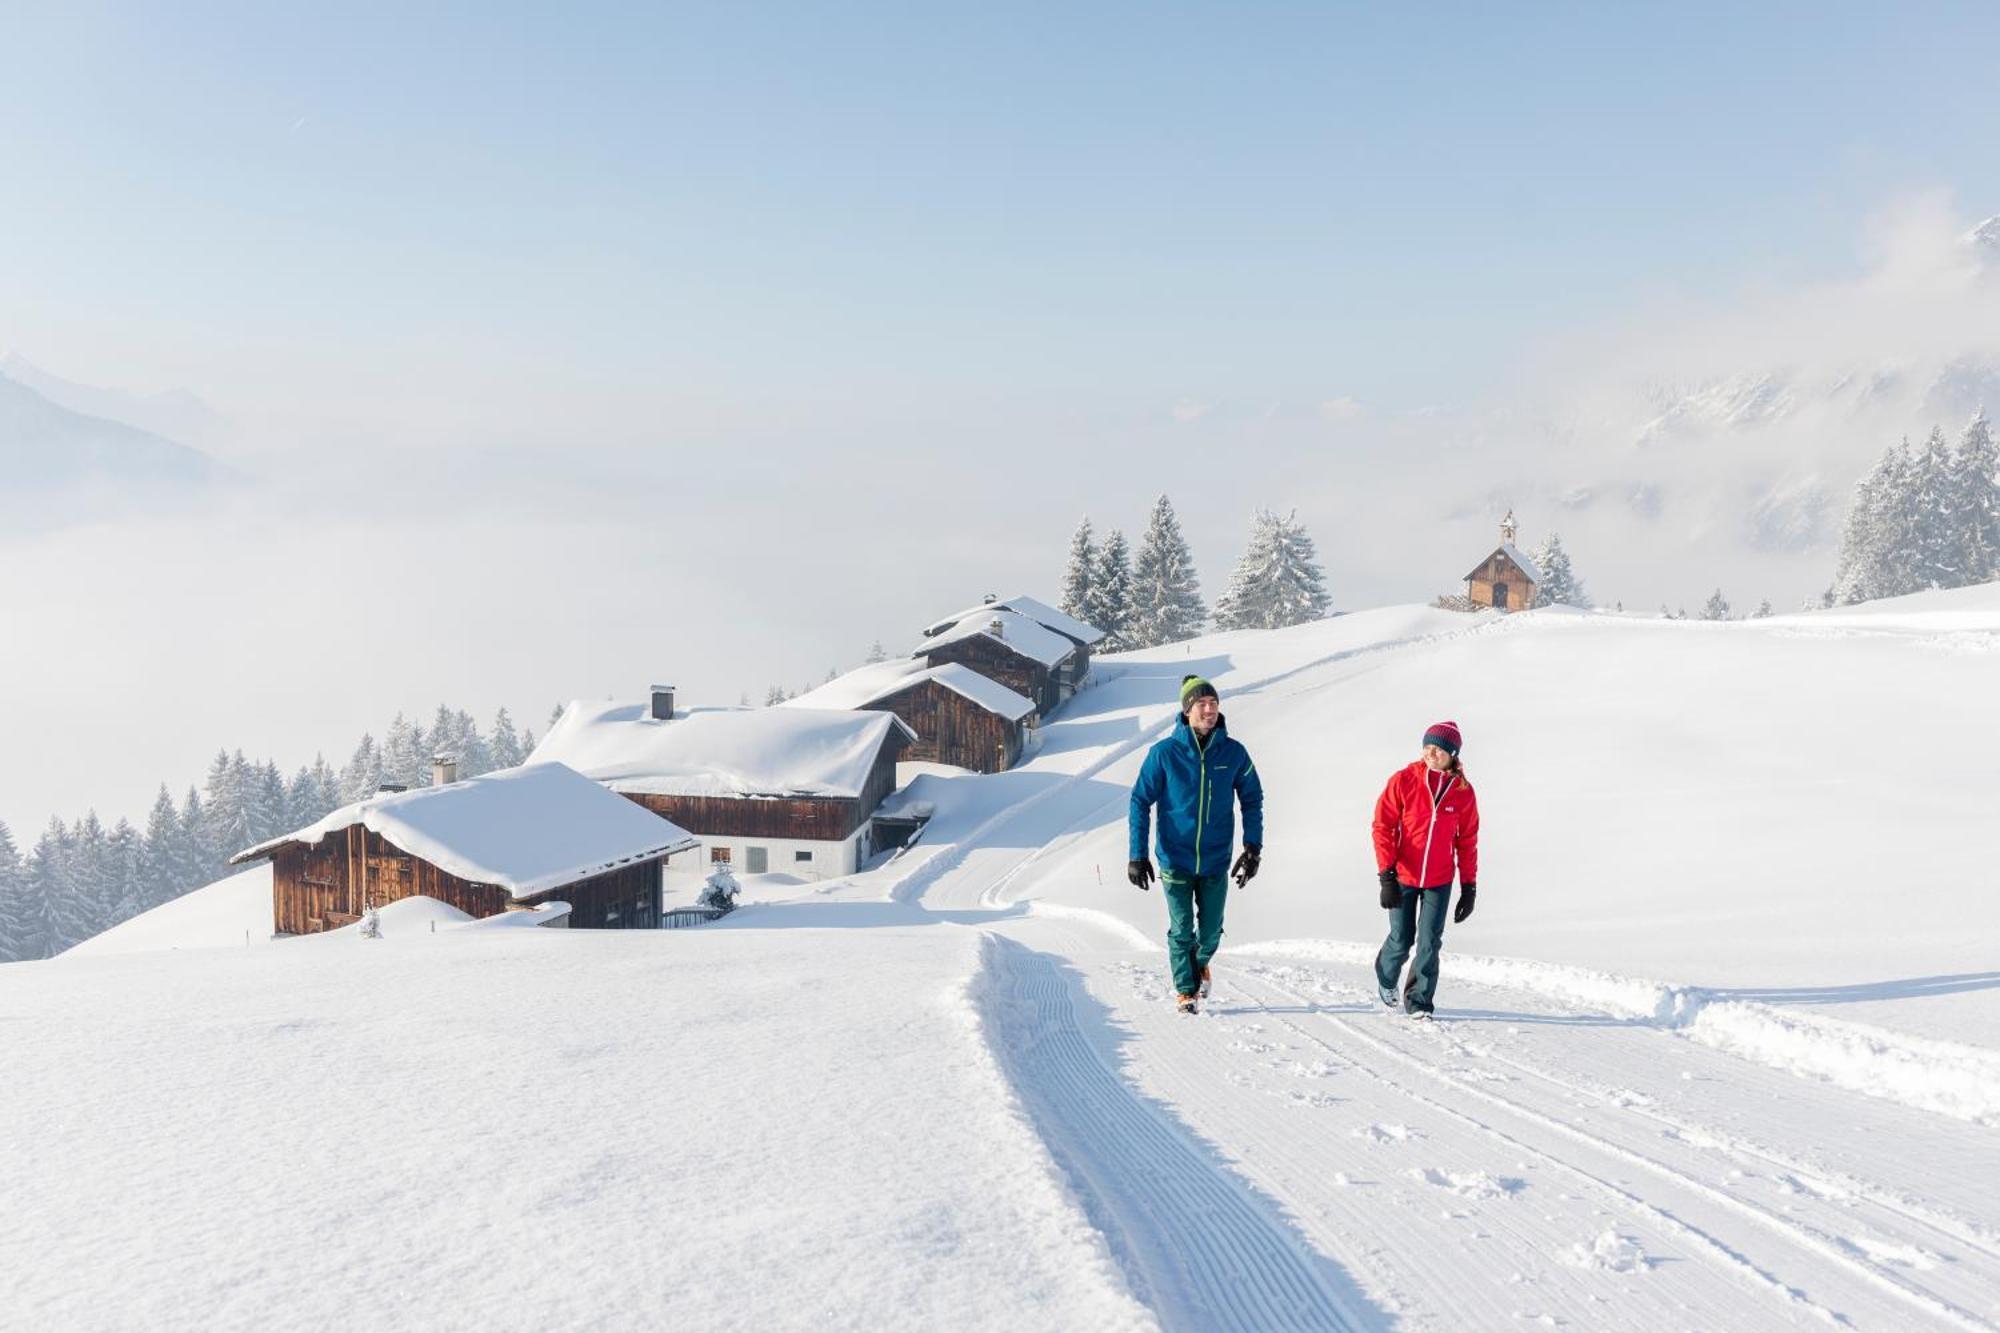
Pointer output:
1195, 776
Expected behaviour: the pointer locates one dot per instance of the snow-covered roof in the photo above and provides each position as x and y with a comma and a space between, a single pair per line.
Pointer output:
1040, 612
1026, 637
725, 752
873, 683
1521, 561
528, 829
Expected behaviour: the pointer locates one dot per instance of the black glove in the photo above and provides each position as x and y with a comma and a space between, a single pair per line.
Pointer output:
1467, 895
1245, 868
1392, 892
1140, 872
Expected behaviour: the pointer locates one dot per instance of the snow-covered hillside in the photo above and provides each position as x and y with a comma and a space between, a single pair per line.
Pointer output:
1719, 1049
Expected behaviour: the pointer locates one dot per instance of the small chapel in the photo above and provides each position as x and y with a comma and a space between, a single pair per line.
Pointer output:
1507, 579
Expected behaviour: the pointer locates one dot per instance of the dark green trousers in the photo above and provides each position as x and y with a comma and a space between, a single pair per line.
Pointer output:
1194, 923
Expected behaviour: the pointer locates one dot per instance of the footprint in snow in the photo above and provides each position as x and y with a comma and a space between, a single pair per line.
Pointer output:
1899, 1256
1470, 1184
1608, 1253
1387, 1134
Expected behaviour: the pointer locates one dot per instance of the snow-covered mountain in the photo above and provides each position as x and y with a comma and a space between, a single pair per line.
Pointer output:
46, 446
175, 414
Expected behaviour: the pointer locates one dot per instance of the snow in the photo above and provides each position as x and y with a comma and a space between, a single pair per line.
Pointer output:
529, 829
227, 914
1717, 1050
1018, 632
750, 752
1040, 612
879, 680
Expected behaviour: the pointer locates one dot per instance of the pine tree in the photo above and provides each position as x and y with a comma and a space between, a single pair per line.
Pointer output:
76, 900
229, 806
1110, 607
1875, 550
775, 696
876, 653
405, 760
42, 881
1929, 513
1716, 607
363, 775
475, 752
266, 806
202, 859
1080, 575
1763, 610
122, 870
1278, 581
1975, 498
555, 716
14, 915
505, 745
1166, 593
1243, 604
1559, 586
162, 859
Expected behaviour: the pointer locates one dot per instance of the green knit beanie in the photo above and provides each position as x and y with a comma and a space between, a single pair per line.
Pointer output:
1194, 687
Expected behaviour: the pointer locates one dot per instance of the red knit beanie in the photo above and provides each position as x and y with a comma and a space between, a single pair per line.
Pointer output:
1444, 735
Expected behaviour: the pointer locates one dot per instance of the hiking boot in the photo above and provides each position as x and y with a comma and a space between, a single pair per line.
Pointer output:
1207, 984
1185, 1003
1389, 997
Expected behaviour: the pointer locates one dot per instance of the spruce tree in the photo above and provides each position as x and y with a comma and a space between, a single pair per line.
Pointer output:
74, 906
42, 879
1278, 581
1763, 610
1243, 604
475, 752
363, 774
1975, 499
1929, 514
1166, 593
876, 653
202, 860
1874, 546
162, 860
1559, 586
1080, 575
1716, 607
14, 916
504, 743
1110, 606
122, 871
229, 807
405, 760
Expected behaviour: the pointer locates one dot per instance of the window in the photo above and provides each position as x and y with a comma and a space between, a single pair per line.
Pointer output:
802, 856
756, 860
718, 856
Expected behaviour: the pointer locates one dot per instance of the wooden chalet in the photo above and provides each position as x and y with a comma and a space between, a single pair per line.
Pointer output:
1085, 637
764, 789
1507, 579
521, 837
1005, 646
959, 716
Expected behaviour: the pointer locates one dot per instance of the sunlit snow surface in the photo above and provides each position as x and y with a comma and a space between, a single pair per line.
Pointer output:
1717, 1049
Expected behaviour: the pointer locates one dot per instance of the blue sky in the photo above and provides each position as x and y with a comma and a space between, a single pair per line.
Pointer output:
1103, 206
572, 348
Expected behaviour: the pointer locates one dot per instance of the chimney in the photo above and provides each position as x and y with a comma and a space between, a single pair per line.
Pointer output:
997, 628
991, 598
663, 703
444, 770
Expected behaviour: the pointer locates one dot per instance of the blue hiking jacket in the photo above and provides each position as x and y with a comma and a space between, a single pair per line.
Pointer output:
1196, 786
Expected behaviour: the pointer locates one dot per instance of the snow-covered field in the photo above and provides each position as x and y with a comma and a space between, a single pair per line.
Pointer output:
1719, 1049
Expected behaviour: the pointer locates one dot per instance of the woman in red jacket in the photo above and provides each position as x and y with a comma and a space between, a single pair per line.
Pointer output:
1426, 827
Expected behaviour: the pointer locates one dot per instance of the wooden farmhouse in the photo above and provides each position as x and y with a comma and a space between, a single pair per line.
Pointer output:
1507, 579
765, 790
521, 837
1027, 657
959, 716
1084, 637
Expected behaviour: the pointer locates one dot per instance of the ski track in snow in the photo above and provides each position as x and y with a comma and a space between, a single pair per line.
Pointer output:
1197, 1244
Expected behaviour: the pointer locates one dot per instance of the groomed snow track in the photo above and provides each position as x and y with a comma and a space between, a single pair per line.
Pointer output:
1198, 1245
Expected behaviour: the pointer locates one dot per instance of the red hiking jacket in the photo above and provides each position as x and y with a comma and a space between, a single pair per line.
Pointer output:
1424, 822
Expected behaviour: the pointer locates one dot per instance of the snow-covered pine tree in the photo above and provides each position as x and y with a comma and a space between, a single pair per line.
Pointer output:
1080, 574
1244, 603
475, 752
161, 858
267, 804
1716, 607
1166, 593
406, 758
42, 876
371, 923
14, 917
1975, 499
876, 653
719, 890
122, 870
504, 743
1300, 587
1560, 586
775, 696
1110, 606
76, 903
445, 737
363, 774
1278, 582
555, 716
1929, 515
202, 863
227, 806
1872, 548
1763, 610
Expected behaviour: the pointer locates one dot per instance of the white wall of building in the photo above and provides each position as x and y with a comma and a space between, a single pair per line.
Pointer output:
803, 858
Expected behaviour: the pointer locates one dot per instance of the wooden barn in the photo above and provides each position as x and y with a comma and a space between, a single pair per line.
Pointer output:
1025, 656
521, 837
765, 790
1507, 579
1085, 637
959, 716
